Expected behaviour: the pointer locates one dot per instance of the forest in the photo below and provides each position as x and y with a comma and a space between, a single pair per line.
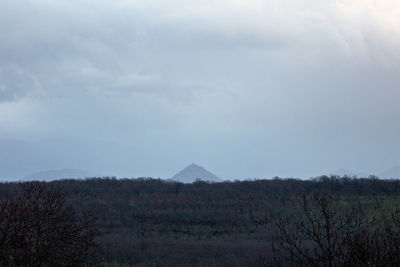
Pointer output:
324, 221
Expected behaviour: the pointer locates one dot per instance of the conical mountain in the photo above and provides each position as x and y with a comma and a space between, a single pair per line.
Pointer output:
194, 172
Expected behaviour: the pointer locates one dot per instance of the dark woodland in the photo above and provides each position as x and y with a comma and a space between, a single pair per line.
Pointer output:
326, 221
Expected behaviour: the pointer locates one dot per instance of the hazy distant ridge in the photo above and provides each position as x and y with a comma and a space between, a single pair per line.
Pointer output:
58, 174
392, 173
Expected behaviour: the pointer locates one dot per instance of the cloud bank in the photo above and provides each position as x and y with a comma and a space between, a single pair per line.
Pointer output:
246, 88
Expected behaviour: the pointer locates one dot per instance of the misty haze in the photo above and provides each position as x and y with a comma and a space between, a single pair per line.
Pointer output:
199, 133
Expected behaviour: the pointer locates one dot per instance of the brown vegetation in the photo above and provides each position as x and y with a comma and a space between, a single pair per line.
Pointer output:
154, 222
38, 228
326, 233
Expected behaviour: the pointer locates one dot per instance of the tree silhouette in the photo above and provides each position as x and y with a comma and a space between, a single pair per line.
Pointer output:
39, 228
326, 233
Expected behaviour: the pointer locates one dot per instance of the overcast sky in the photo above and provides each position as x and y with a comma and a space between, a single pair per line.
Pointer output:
245, 88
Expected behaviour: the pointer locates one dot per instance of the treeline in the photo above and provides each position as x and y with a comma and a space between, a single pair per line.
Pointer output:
164, 223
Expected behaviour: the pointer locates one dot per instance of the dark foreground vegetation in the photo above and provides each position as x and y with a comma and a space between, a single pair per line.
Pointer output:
328, 221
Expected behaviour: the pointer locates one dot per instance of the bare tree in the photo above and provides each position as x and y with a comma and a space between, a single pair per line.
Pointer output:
319, 235
39, 228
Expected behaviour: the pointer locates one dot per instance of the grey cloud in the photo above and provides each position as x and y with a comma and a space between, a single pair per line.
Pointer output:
14, 84
214, 82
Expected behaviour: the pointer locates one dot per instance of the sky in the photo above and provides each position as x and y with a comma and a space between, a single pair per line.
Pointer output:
245, 88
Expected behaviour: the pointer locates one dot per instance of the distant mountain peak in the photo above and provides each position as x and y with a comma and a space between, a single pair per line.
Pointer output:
194, 172
193, 166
